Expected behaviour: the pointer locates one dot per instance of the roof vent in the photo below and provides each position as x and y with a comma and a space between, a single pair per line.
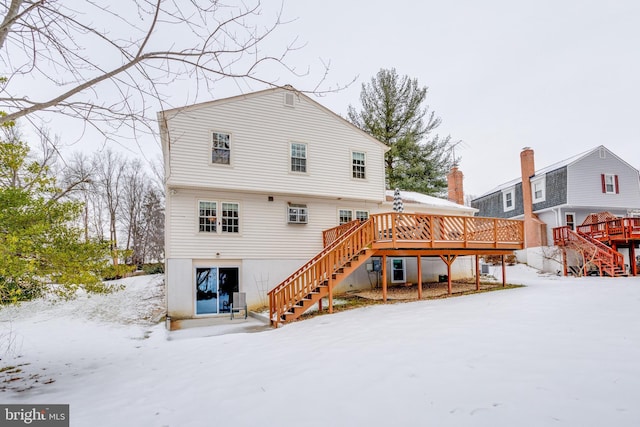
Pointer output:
288, 99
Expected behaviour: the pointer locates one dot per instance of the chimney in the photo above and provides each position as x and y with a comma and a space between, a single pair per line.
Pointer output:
535, 232
454, 184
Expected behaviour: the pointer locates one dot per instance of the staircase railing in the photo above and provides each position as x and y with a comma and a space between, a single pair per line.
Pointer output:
318, 270
604, 255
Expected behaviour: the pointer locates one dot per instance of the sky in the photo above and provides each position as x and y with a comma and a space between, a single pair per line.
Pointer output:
560, 77
559, 351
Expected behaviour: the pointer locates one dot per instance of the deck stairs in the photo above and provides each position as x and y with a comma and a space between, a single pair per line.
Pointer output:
317, 278
607, 260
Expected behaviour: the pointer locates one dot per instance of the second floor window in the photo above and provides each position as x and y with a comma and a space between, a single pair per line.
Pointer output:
508, 200
358, 165
610, 184
220, 148
298, 157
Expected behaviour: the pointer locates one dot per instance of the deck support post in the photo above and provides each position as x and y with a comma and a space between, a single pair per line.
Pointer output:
504, 271
564, 262
384, 278
477, 273
632, 258
320, 305
419, 277
448, 259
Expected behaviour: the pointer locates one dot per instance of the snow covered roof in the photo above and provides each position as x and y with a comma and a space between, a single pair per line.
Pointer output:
411, 197
552, 167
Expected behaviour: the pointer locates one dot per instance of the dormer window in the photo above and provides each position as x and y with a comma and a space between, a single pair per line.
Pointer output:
508, 199
538, 190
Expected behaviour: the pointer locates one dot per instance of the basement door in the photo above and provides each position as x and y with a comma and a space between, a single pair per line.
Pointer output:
214, 289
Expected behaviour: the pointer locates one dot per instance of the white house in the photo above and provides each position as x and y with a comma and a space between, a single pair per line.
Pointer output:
251, 183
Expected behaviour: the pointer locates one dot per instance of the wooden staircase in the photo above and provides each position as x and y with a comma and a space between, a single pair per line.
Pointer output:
347, 251
608, 261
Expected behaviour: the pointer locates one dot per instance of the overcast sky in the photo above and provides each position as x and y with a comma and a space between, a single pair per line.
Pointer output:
561, 76
558, 76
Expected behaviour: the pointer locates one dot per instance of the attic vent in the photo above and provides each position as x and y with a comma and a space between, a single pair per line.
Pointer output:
288, 99
603, 153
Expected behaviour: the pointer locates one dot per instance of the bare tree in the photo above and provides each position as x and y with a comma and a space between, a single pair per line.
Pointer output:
109, 181
133, 193
109, 63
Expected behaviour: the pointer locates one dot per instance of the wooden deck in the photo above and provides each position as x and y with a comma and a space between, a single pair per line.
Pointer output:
614, 234
348, 246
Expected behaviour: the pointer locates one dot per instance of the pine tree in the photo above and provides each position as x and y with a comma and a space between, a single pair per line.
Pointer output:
393, 112
39, 242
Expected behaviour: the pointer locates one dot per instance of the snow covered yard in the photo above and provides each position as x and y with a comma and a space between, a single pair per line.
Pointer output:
561, 351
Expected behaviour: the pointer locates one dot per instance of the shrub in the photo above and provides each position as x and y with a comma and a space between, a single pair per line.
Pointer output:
153, 268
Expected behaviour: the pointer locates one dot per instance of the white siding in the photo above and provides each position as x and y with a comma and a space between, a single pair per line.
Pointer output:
264, 230
261, 129
585, 185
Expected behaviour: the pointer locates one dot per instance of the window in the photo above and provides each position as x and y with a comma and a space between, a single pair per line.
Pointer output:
220, 149
570, 220
207, 217
345, 216
538, 190
358, 165
230, 218
209, 222
362, 215
610, 184
398, 270
298, 157
508, 200
297, 214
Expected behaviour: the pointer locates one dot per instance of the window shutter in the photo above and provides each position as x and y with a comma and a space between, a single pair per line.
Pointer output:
617, 186
604, 183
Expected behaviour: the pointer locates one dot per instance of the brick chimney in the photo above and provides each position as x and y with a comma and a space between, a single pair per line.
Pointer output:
454, 184
535, 231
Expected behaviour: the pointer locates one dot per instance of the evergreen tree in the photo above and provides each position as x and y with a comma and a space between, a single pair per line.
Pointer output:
40, 247
393, 112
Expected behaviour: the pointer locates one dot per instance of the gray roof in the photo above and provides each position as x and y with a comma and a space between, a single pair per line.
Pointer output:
552, 167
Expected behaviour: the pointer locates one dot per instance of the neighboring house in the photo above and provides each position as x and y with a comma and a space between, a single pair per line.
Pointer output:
564, 194
251, 183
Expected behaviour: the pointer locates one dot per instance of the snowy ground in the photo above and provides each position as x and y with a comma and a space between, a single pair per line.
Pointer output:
561, 351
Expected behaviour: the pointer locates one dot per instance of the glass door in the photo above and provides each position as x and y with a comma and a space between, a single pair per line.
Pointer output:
214, 289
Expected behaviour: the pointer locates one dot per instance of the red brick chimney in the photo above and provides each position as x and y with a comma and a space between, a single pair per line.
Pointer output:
535, 231
454, 184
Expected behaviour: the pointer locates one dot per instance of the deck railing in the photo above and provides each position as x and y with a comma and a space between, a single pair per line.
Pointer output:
615, 229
